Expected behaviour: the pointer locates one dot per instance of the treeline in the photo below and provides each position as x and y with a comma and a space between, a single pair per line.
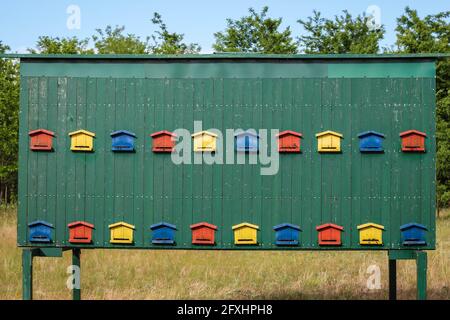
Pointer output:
259, 33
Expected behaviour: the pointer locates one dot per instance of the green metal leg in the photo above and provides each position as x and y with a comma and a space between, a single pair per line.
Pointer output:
421, 262
392, 279
27, 274
76, 292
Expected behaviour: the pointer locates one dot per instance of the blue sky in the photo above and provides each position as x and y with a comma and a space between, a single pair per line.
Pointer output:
22, 21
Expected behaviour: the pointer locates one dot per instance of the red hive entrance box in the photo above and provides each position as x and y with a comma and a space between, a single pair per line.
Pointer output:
163, 141
289, 141
80, 232
203, 233
329, 234
41, 140
413, 141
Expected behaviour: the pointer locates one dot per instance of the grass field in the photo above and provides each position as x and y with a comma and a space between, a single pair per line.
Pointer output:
139, 274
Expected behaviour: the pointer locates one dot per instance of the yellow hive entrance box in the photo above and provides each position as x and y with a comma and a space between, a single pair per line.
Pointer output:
245, 233
370, 234
204, 141
121, 232
329, 141
82, 140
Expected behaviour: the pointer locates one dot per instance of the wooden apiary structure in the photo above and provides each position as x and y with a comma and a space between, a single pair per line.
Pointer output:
321, 101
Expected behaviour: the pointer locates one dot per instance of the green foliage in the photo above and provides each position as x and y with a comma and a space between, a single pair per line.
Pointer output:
9, 125
114, 41
56, 45
255, 33
166, 42
432, 34
343, 34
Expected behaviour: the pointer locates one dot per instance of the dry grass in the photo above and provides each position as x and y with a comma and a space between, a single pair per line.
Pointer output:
140, 274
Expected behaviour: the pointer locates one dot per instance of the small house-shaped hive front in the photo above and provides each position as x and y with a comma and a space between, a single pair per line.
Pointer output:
203, 233
413, 141
82, 140
80, 232
370, 234
163, 141
163, 233
413, 234
289, 141
40, 231
329, 141
329, 234
246, 141
123, 141
121, 233
371, 141
286, 234
41, 140
245, 233
204, 141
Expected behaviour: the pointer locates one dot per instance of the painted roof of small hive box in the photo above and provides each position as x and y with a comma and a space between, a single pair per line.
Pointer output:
370, 224
82, 131
370, 133
163, 224
123, 132
329, 132
40, 222
413, 225
158, 133
286, 225
329, 225
203, 224
121, 223
409, 132
245, 224
204, 133
247, 133
286, 132
80, 223
38, 131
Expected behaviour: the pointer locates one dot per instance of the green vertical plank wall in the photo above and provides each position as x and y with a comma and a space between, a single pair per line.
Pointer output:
143, 96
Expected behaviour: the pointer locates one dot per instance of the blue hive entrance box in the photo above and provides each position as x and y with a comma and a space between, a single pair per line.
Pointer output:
40, 231
413, 234
371, 141
123, 141
163, 233
246, 141
286, 234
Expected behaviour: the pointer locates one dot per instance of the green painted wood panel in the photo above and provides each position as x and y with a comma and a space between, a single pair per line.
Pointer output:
143, 187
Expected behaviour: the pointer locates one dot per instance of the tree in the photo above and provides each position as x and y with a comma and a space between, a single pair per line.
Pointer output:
428, 35
343, 34
169, 43
9, 125
255, 33
113, 41
56, 45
